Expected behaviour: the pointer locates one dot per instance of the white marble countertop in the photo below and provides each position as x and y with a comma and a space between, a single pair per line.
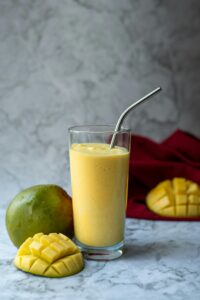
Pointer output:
161, 262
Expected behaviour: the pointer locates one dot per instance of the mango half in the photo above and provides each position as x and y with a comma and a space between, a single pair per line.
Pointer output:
53, 255
175, 198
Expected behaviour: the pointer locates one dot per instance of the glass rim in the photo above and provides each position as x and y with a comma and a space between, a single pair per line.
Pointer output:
88, 129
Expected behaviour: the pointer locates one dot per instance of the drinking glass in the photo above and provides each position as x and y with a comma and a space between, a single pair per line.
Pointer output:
99, 178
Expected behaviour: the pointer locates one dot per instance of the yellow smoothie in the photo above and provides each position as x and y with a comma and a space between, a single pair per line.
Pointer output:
99, 178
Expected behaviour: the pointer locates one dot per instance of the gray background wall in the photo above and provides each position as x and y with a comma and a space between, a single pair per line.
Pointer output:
72, 62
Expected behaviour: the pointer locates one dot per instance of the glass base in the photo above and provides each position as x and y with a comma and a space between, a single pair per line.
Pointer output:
101, 253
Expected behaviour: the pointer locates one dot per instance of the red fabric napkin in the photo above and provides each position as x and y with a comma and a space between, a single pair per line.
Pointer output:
151, 162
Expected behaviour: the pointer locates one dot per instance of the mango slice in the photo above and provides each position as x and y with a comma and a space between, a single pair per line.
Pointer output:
175, 198
53, 255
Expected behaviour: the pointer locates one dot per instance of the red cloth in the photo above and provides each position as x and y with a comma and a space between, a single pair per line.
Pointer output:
151, 162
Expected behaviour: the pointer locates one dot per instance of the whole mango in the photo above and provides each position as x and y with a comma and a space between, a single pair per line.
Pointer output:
40, 208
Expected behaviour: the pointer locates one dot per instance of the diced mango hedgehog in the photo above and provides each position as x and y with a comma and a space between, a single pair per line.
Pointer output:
175, 198
53, 255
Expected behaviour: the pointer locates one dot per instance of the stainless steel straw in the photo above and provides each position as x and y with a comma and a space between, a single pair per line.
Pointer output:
127, 110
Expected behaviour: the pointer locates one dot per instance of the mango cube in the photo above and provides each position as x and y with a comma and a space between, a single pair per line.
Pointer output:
50, 254
36, 247
27, 261
181, 210
193, 199
193, 188
167, 211
37, 236
24, 248
179, 185
181, 199
53, 255
193, 210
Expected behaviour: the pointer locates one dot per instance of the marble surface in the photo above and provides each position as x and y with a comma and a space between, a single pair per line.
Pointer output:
161, 262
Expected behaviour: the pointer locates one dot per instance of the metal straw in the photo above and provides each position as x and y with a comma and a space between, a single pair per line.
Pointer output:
127, 110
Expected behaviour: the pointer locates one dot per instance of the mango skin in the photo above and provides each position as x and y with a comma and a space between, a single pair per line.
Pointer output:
178, 198
53, 255
41, 208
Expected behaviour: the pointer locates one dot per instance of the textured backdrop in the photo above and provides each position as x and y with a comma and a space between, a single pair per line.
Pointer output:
74, 62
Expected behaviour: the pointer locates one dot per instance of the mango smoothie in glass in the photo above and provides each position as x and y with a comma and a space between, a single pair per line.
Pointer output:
99, 178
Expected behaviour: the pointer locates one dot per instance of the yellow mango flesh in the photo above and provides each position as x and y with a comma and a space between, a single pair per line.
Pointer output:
175, 198
53, 255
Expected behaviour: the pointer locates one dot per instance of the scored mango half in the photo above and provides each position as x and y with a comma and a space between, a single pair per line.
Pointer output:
175, 198
52, 255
